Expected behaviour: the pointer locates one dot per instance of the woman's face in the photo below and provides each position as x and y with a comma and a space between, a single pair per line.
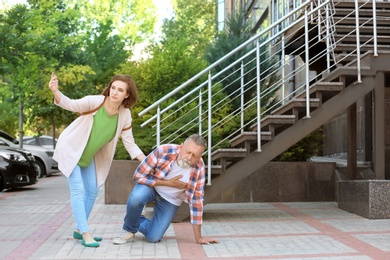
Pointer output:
118, 91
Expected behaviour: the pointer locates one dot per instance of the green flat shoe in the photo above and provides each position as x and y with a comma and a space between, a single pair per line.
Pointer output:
77, 235
94, 244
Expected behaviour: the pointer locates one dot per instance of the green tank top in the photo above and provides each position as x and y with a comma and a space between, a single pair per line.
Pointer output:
103, 130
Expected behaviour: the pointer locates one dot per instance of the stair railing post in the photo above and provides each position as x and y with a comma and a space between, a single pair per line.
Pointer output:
209, 131
328, 49
312, 14
242, 97
283, 59
258, 96
358, 41
200, 112
319, 20
272, 12
295, 15
158, 126
374, 28
307, 58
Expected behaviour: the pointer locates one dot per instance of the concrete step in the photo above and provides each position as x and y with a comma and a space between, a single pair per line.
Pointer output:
248, 139
296, 105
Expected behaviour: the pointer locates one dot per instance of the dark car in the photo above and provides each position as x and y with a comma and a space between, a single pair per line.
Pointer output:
17, 167
43, 156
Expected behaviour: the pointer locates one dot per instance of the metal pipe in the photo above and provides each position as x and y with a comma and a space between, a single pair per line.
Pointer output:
283, 68
209, 127
243, 45
200, 112
307, 60
319, 21
158, 138
327, 39
374, 28
249, 41
311, 15
242, 97
258, 97
359, 80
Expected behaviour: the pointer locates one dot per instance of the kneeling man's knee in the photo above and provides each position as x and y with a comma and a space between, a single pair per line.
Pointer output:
153, 239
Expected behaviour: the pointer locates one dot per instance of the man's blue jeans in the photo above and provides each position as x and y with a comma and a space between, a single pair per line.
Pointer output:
83, 191
153, 229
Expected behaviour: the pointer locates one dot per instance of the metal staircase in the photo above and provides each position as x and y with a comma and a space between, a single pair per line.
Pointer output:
331, 50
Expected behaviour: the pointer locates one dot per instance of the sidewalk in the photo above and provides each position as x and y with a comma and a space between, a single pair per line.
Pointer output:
36, 223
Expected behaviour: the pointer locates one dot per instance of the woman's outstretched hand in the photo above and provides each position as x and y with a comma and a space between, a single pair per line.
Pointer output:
53, 83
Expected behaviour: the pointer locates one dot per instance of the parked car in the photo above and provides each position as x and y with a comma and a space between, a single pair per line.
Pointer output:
17, 167
42, 140
43, 157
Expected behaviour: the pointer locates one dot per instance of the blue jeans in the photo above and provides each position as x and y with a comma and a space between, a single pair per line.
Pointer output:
83, 191
153, 229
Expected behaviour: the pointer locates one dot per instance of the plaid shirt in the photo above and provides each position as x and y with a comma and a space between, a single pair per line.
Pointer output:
158, 164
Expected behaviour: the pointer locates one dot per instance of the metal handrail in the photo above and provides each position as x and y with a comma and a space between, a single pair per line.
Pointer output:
209, 68
201, 96
212, 66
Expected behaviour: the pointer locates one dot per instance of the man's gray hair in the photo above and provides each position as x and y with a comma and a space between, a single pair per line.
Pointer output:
198, 139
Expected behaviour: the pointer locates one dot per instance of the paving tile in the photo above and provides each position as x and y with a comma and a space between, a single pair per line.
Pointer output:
36, 223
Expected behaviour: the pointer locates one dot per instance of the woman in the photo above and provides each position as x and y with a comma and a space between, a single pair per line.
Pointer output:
86, 148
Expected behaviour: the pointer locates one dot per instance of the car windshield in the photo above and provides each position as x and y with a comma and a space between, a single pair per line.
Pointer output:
8, 137
31, 141
2, 143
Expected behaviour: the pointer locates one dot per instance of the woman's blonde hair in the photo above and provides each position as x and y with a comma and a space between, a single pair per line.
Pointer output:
131, 90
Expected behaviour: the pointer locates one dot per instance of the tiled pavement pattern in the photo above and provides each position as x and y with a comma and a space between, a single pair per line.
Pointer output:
36, 223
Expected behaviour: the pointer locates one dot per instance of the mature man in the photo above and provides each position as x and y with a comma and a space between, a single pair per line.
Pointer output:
168, 176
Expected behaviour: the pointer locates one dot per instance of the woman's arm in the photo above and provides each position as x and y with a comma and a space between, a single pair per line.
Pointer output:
53, 85
141, 157
81, 105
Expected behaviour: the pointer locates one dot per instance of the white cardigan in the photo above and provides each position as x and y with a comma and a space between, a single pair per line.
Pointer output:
73, 139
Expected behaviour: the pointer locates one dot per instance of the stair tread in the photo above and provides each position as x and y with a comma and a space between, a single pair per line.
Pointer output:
343, 36
228, 153
328, 83
351, 4
296, 103
215, 169
275, 120
279, 116
250, 137
251, 133
230, 150
341, 26
355, 55
213, 166
364, 46
362, 12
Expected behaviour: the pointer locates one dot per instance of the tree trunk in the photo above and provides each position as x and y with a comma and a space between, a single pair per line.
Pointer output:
53, 127
21, 124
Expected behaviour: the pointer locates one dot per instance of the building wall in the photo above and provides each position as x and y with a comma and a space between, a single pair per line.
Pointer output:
276, 181
335, 135
253, 8
387, 131
285, 182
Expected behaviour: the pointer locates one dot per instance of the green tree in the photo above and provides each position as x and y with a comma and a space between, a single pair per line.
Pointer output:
309, 146
9, 117
83, 44
36, 39
172, 60
112, 29
236, 32
194, 23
